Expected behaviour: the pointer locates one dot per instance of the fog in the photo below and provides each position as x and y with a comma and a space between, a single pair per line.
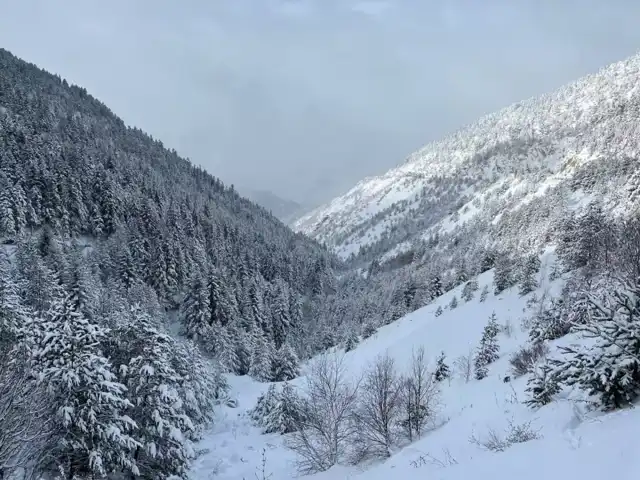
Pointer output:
304, 98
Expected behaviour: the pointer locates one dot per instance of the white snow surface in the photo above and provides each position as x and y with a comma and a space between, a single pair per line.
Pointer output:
574, 443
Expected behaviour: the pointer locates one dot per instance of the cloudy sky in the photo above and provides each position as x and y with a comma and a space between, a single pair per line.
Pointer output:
306, 97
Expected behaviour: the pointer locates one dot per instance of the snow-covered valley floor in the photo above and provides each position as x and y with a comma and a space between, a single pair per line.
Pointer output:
574, 443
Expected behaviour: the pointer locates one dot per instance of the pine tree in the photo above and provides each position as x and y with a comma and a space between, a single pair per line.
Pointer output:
163, 427
195, 309
469, 290
484, 294
262, 360
285, 364
453, 303
436, 288
442, 369
503, 276
438, 311
488, 350
609, 369
281, 320
527, 274
352, 341
541, 387
92, 405
285, 414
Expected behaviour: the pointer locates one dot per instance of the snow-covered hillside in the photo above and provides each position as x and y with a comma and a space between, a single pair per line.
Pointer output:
572, 443
581, 140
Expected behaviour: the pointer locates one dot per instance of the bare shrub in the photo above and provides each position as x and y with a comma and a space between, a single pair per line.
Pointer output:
419, 396
507, 328
26, 429
464, 366
326, 429
378, 409
515, 433
447, 460
524, 360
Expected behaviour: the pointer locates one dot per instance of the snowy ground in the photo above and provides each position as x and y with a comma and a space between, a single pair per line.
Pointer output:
574, 444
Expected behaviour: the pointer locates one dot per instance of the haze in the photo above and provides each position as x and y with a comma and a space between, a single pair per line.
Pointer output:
304, 98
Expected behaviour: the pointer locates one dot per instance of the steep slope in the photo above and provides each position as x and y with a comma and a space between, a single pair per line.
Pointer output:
571, 441
130, 280
581, 140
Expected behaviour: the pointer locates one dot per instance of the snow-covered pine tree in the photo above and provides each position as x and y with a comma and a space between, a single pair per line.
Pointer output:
285, 364
453, 303
484, 293
550, 323
164, 430
262, 359
285, 414
436, 288
504, 275
469, 289
264, 405
442, 371
609, 369
91, 404
541, 386
281, 320
195, 311
438, 311
527, 274
488, 350
352, 340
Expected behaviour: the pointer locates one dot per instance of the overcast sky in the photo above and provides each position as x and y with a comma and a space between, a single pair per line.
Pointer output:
306, 97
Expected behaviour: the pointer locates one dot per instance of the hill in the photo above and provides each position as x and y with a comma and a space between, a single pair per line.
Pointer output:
284, 209
477, 428
522, 166
112, 244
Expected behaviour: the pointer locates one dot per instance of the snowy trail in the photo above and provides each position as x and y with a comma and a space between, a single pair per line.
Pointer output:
573, 445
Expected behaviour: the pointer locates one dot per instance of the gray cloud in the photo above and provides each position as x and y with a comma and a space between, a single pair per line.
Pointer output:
306, 97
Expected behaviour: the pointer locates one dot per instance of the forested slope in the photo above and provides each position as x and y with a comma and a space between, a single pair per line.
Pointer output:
109, 240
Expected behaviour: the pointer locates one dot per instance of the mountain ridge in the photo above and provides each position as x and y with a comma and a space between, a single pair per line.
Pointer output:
552, 134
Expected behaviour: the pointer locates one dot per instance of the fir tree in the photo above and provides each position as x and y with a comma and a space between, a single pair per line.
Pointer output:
453, 303
91, 404
285, 414
262, 360
484, 293
195, 309
285, 364
527, 274
488, 350
541, 387
469, 290
352, 341
442, 369
609, 369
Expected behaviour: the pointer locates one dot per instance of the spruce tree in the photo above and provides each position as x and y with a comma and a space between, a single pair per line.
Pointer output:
541, 386
487, 352
95, 431
484, 293
285, 364
442, 369
262, 360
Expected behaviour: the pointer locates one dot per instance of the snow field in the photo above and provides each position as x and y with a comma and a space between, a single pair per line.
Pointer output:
572, 443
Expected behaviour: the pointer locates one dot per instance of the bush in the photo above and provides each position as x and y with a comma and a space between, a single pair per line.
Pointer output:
523, 361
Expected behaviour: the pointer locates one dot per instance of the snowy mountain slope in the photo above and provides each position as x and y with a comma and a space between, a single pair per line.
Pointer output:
573, 444
586, 129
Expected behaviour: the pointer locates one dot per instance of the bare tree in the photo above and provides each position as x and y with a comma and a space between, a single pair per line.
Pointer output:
419, 396
464, 366
25, 421
378, 409
326, 429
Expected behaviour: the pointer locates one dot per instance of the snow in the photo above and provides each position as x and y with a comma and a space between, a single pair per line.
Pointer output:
572, 443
